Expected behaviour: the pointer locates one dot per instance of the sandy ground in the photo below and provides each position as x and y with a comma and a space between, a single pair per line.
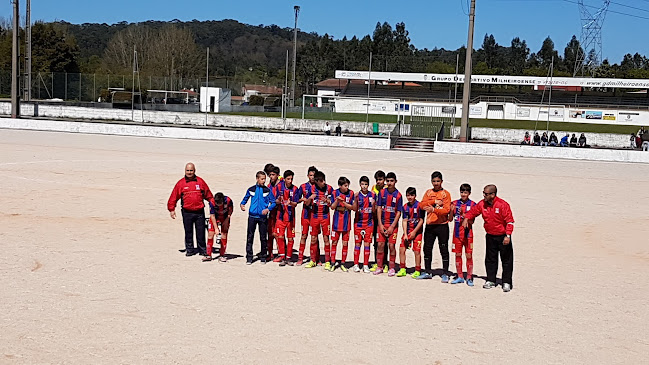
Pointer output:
90, 270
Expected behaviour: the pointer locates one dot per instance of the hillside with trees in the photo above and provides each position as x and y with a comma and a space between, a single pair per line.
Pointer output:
244, 53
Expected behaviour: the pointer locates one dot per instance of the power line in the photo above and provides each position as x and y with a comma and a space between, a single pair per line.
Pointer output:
629, 6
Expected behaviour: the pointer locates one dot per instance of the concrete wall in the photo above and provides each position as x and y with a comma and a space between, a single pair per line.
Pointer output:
374, 143
558, 113
167, 117
606, 140
542, 152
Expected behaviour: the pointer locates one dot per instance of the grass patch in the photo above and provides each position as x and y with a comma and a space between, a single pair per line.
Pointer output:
478, 123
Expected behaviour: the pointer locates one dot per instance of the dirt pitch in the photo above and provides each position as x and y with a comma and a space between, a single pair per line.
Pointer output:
90, 271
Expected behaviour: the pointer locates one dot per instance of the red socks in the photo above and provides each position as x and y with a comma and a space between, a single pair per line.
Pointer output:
344, 258
366, 254
314, 252
379, 260
300, 254
357, 254
334, 248
418, 268
458, 266
393, 257
280, 246
224, 245
289, 249
210, 244
469, 268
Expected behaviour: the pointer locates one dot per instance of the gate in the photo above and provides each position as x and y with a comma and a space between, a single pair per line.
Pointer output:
432, 121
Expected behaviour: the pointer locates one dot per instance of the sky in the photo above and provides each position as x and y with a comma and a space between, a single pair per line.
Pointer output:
432, 23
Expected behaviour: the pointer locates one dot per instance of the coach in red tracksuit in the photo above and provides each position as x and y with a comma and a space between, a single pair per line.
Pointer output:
191, 190
499, 225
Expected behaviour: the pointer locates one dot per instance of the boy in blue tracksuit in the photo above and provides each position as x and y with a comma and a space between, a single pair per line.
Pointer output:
261, 203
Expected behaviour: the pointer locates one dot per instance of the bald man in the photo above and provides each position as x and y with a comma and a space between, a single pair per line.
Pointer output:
192, 191
499, 225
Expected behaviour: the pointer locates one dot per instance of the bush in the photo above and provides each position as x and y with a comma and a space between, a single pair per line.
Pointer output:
256, 100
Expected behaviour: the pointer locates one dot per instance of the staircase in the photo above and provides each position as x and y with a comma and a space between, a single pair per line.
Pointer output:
414, 144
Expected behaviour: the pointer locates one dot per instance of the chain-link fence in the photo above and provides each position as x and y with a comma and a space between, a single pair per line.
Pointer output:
84, 87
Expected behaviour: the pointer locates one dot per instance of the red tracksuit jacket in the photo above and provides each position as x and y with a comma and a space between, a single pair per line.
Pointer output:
498, 218
191, 194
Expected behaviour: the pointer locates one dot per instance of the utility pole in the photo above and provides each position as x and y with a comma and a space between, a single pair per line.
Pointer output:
466, 94
296, 8
15, 100
28, 52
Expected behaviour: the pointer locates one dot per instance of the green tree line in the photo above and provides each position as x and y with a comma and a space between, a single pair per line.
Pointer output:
247, 53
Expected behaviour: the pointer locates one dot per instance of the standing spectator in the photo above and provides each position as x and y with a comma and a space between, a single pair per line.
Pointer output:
339, 130
633, 143
262, 202
573, 140
564, 141
537, 139
553, 140
191, 190
437, 204
526, 139
582, 141
544, 139
499, 226
645, 140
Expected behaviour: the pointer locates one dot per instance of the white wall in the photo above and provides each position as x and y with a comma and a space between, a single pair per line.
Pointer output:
167, 117
375, 143
558, 113
542, 152
606, 140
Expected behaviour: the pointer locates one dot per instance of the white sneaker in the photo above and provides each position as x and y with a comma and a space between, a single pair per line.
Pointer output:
355, 268
366, 269
507, 287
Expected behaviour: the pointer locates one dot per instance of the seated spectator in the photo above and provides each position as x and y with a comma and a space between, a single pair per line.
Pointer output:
573, 140
634, 145
327, 129
564, 141
582, 141
553, 139
526, 139
537, 139
339, 130
544, 139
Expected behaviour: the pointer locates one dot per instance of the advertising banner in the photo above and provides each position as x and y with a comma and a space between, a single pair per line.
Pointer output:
628, 117
522, 112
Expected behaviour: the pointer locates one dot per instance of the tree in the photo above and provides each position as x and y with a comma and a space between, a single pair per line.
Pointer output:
571, 53
518, 55
490, 50
547, 53
53, 49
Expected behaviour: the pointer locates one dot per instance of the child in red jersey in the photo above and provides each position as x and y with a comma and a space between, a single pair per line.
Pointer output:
219, 225
413, 222
320, 201
390, 207
287, 198
273, 176
365, 208
305, 192
343, 198
462, 237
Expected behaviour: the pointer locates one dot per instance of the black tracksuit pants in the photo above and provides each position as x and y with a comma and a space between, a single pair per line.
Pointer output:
191, 219
253, 222
441, 233
494, 247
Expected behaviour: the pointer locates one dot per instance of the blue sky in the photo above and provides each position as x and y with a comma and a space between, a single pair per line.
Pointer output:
432, 23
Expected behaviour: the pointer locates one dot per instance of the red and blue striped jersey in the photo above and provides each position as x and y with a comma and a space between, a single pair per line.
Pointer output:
286, 212
364, 217
321, 201
222, 211
412, 214
305, 192
391, 203
342, 220
273, 189
459, 209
